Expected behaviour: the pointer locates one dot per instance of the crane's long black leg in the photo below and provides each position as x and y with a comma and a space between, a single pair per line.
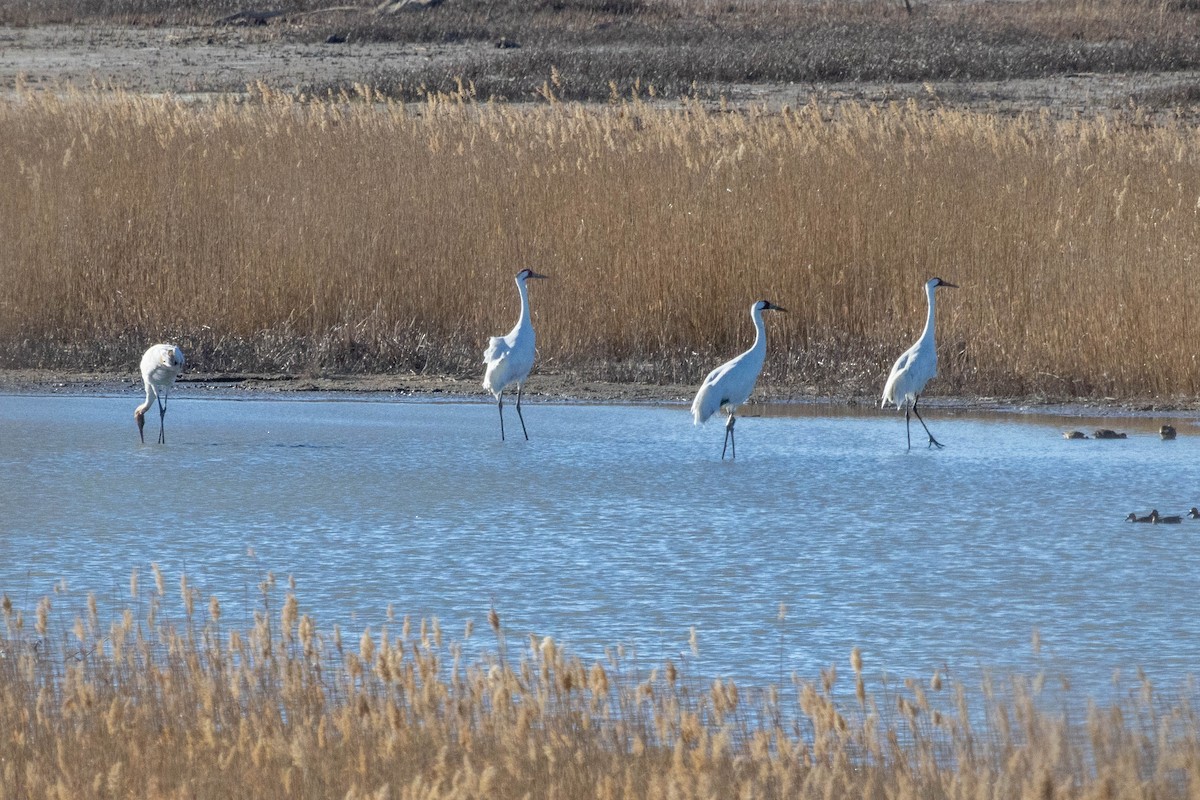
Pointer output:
932, 441
729, 438
907, 432
162, 420
500, 405
519, 388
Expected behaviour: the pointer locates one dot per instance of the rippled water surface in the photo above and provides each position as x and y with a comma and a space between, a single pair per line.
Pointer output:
621, 525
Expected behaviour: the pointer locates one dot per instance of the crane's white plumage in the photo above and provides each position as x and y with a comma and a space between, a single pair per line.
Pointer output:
510, 357
161, 365
729, 385
915, 368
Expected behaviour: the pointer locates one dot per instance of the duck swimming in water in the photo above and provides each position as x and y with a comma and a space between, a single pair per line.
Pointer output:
1135, 518
1156, 518
1105, 433
1167, 432
1074, 435
1194, 513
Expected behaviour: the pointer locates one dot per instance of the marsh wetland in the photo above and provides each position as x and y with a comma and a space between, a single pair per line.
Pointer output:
332, 594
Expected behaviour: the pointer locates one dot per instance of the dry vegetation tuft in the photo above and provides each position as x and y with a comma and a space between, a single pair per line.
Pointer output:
179, 704
352, 236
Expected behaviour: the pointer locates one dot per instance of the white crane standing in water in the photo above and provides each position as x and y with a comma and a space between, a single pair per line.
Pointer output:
915, 368
509, 358
729, 385
161, 365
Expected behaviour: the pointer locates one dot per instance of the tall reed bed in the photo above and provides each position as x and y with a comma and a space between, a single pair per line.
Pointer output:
343, 234
167, 701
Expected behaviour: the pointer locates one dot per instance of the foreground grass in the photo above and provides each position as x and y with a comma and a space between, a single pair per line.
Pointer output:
175, 703
346, 236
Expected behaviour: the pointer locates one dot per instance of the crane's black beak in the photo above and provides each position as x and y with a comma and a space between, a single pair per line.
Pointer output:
141, 421
533, 274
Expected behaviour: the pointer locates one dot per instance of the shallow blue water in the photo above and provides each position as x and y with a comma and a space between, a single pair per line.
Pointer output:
621, 525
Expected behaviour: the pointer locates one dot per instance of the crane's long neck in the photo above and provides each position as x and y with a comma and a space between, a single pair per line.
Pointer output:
524, 321
151, 394
759, 348
927, 334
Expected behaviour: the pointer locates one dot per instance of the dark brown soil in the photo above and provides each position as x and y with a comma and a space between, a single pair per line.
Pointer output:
547, 386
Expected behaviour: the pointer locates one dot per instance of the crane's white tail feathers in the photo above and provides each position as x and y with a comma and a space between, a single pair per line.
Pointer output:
497, 348
704, 406
893, 396
889, 393
893, 392
497, 351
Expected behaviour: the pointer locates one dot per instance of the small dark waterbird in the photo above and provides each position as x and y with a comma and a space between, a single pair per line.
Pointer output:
1156, 518
915, 368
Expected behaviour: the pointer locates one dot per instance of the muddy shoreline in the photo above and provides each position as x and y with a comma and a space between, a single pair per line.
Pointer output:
559, 388
540, 387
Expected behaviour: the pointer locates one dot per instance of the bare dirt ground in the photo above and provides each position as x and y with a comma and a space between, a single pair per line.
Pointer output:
199, 60
189, 60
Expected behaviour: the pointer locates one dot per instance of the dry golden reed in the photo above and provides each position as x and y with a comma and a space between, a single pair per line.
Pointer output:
349, 234
169, 705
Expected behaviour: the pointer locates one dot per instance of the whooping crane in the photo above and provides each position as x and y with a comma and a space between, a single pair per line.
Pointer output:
161, 365
914, 368
729, 385
509, 358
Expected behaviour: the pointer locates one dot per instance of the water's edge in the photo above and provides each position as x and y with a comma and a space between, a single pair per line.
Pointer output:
554, 388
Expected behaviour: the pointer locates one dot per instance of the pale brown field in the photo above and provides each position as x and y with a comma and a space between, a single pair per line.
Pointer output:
341, 235
167, 701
